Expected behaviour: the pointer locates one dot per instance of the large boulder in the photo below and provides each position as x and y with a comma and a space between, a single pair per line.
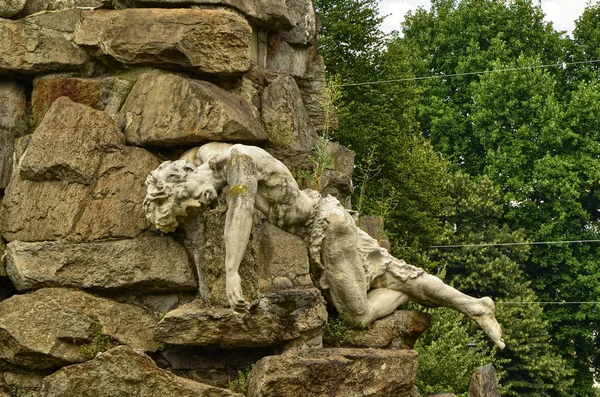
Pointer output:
70, 144
286, 59
9, 8
123, 371
303, 15
166, 109
400, 330
105, 93
484, 382
53, 327
29, 48
209, 41
290, 316
145, 264
284, 115
77, 180
271, 14
335, 372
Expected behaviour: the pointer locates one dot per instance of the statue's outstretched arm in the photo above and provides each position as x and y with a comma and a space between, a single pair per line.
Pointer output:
242, 178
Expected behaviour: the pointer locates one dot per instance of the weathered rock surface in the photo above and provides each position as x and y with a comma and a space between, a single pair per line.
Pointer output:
274, 260
285, 59
166, 109
484, 382
70, 143
46, 329
9, 8
271, 14
35, 6
210, 41
113, 208
7, 147
313, 89
337, 178
277, 318
13, 123
123, 371
106, 93
12, 108
400, 330
29, 48
144, 264
77, 180
285, 117
335, 372
305, 30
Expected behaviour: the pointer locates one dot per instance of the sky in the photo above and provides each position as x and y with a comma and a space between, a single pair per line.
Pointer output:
562, 13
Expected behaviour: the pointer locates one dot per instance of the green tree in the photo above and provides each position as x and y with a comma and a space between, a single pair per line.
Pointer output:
530, 364
461, 37
546, 161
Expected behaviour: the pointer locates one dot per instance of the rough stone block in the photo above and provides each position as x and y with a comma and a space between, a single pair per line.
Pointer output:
313, 89
400, 330
484, 382
70, 143
303, 15
285, 117
271, 14
166, 109
210, 41
145, 264
47, 328
273, 320
28, 48
335, 372
9, 8
7, 148
107, 94
113, 208
373, 225
288, 60
77, 180
123, 371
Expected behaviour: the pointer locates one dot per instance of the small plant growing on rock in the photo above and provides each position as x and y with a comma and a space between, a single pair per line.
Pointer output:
240, 384
339, 332
101, 343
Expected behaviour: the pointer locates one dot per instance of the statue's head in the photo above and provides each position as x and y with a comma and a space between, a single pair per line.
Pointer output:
173, 189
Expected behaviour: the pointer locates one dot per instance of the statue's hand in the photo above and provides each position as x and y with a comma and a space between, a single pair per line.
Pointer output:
234, 293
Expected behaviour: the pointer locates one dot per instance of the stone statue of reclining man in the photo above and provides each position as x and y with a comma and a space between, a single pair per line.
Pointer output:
358, 277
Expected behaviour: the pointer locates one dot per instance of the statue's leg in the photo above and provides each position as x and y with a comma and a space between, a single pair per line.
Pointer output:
430, 291
384, 301
343, 271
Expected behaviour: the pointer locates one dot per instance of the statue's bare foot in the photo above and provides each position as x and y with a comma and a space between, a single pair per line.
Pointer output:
486, 319
235, 297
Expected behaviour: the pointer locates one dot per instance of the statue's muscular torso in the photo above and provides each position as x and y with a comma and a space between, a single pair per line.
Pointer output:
277, 196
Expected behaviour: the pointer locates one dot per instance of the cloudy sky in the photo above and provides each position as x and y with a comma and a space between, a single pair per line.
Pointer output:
562, 13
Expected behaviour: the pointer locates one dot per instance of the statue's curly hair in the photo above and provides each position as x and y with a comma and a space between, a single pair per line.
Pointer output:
167, 181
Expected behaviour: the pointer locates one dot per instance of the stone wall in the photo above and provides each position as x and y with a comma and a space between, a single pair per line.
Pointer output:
94, 94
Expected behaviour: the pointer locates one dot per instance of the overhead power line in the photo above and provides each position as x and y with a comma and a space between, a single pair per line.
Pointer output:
546, 303
441, 76
521, 243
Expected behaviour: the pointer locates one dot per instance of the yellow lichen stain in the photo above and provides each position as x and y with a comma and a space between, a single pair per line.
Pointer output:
239, 190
